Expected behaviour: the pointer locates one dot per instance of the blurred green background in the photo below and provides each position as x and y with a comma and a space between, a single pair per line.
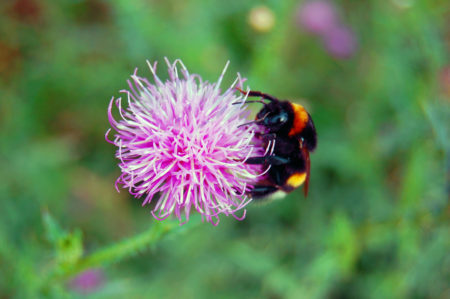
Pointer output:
376, 221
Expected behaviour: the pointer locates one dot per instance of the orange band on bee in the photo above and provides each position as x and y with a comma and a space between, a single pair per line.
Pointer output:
301, 118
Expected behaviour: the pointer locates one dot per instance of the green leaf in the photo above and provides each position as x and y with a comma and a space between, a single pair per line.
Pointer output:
68, 245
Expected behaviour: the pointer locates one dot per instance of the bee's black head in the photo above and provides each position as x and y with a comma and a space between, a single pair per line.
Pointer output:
276, 117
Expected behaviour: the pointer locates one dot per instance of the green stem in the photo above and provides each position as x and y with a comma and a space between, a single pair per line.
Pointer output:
124, 249
121, 250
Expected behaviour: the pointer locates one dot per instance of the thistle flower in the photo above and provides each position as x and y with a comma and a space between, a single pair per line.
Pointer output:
180, 141
317, 16
320, 17
340, 42
88, 281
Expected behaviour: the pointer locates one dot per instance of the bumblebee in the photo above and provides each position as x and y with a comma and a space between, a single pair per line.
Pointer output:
291, 129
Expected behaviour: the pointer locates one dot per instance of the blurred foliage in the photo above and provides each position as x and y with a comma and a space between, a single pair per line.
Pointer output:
376, 222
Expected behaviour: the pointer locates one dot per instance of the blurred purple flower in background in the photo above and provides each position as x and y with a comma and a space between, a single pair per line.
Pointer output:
87, 281
340, 42
317, 16
182, 139
321, 18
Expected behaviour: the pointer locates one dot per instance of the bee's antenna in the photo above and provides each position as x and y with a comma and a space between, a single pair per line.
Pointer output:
246, 102
255, 121
252, 93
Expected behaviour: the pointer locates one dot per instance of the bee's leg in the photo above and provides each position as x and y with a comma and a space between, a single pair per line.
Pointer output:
266, 136
272, 160
262, 190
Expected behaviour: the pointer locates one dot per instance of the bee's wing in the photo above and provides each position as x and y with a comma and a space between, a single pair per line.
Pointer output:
307, 168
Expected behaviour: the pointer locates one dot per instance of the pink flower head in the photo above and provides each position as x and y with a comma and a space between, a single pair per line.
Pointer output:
88, 281
340, 42
317, 16
182, 141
